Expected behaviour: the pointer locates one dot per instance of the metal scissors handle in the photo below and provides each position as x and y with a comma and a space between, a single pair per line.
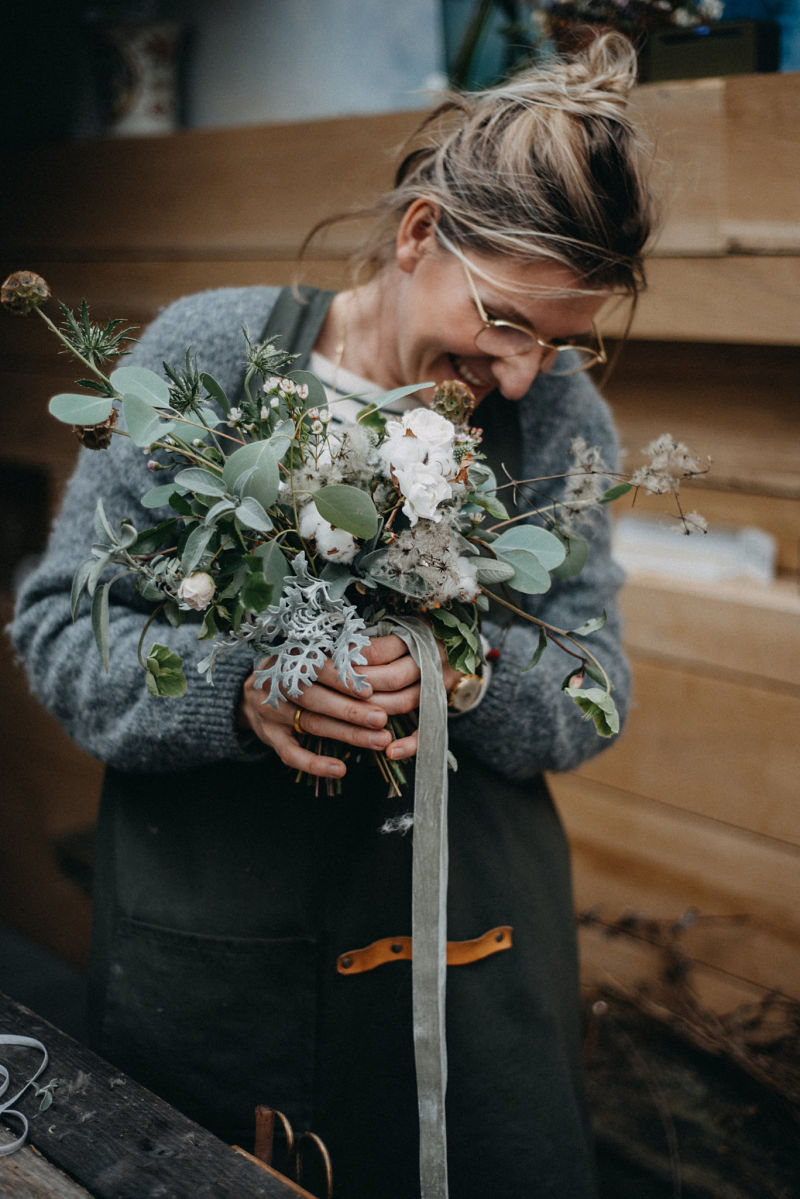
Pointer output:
298, 1152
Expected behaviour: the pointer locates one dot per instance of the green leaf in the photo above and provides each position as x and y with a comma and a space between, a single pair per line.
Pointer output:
75, 409
216, 392
347, 508
534, 540
165, 677
100, 623
219, 509
317, 396
250, 514
256, 593
590, 626
79, 581
257, 460
530, 576
540, 648
490, 570
201, 482
490, 503
397, 393
101, 526
141, 382
274, 566
281, 438
577, 548
195, 546
158, 497
142, 421
615, 492
597, 705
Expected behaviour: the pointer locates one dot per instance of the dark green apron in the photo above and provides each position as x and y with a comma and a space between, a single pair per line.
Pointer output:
224, 897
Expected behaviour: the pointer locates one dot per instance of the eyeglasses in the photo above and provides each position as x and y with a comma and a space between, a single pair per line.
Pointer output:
505, 339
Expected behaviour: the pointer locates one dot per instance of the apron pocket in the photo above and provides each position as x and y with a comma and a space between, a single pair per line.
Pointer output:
214, 1025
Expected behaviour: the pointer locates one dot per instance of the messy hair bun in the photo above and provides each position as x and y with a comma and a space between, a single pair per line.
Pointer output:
549, 164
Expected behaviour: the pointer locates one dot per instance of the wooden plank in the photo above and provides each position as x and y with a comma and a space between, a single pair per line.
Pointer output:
27, 1175
250, 192
686, 123
631, 854
763, 182
734, 298
721, 748
740, 626
119, 1140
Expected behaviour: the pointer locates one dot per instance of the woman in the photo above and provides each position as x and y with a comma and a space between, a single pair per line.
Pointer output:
225, 893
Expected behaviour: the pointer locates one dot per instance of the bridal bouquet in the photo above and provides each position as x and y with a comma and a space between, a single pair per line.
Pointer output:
293, 535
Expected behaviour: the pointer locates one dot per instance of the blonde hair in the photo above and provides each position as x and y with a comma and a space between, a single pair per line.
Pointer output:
548, 165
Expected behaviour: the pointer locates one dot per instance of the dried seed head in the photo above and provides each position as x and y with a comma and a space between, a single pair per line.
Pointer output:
97, 437
23, 291
454, 401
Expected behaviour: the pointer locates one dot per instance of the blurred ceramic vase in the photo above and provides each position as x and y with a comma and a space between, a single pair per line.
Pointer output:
142, 76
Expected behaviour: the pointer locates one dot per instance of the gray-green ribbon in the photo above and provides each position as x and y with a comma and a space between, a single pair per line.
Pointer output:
429, 908
8, 1106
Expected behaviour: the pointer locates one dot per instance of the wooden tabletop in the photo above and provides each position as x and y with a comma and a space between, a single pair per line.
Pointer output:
106, 1137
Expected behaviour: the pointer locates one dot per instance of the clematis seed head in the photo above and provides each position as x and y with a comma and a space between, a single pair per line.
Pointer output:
23, 291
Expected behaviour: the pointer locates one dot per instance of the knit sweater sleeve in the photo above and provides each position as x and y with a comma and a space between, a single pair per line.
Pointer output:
112, 715
525, 724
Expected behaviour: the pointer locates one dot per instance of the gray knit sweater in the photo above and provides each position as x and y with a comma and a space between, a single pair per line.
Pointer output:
523, 725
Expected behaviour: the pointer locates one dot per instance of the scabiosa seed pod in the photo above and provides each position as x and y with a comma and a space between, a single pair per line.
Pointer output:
97, 437
453, 400
23, 291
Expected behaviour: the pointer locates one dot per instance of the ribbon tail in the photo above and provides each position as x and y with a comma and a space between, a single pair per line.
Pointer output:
429, 909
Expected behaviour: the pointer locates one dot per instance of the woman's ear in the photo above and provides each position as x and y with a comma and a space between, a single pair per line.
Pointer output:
416, 235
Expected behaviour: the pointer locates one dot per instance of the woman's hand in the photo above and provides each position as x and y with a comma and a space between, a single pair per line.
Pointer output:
328, 709
396, 688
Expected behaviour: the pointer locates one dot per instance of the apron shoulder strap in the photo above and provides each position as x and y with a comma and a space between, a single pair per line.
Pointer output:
296, 319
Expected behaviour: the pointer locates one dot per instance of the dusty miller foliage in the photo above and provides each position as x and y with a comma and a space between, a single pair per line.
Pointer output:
307, 626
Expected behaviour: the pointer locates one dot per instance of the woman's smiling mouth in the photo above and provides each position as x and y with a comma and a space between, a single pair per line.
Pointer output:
468, 375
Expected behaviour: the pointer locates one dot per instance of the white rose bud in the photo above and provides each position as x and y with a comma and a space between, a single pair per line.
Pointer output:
423, 488
197, 591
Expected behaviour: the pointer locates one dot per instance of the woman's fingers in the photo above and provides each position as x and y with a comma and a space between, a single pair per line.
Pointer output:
403, 747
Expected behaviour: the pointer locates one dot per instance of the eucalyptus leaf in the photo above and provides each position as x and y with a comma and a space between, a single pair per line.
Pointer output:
100, 626
141, 382
159, 497
142, 421
490, 503
347, 508
251, 514
202, 482
281, 438
195, 546
577, 552
216, 392
530, 576
534, 540
317, 396
491, 570
258, 461
75, 409
389, 397
597, 705
219, 509
590, 626
79, 581
540, 648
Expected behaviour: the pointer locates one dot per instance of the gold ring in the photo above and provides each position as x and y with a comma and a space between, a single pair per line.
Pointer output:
298, 712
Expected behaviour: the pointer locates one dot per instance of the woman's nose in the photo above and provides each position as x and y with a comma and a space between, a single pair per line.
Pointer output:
515, 375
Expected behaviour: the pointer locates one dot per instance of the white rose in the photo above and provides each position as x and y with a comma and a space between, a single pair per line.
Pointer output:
423, 488
430, 427
399, 450
197, 590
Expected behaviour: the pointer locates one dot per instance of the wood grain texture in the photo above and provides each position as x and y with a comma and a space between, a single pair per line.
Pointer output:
27, 1175
120, 1141
634, 854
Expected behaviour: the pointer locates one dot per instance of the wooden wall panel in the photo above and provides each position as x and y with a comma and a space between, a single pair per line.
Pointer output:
633, 854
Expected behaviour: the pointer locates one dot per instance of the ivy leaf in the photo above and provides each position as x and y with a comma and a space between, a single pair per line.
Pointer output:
165, 677
75, 409
347, 508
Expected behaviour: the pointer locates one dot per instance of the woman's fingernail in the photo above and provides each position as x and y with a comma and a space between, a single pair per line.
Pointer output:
380, 740
376, 720
394, 752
